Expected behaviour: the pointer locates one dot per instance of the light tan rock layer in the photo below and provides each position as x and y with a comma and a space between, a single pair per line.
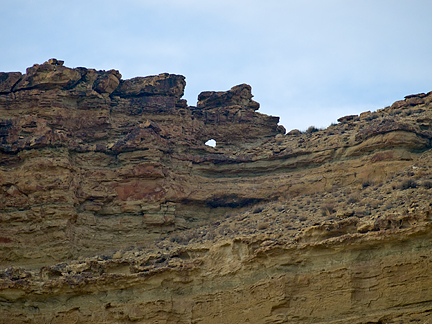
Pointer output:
377, 277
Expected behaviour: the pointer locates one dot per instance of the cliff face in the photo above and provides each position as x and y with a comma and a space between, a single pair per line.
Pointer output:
113, 209
91, 162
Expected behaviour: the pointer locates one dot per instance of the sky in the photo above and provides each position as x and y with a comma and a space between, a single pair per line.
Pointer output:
308, 61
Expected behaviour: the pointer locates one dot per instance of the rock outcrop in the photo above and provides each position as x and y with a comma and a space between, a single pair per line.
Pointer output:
113, 209
95, 152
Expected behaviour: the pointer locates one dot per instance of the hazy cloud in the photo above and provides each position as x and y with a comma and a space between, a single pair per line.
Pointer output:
308, 61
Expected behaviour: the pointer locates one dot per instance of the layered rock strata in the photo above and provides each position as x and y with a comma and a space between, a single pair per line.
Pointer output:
113, 210
84, 152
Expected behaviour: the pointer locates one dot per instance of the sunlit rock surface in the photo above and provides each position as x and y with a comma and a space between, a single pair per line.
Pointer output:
114, 210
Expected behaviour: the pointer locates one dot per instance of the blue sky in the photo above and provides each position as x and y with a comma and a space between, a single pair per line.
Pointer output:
308, 61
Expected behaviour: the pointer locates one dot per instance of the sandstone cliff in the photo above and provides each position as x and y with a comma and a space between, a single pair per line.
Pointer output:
113, 209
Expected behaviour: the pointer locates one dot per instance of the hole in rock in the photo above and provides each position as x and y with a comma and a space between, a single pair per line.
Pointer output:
211, 142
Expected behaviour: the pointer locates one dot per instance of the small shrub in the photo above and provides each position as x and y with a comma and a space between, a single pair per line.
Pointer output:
263, 226
312, 129
371, 117
367, 212
418, 111
210, 236
353, 199
181, 239
257, 210
407, 184
389, 205
382, 156
366, 184
223, 230
394, 112
375, 204
427, 184
327, 209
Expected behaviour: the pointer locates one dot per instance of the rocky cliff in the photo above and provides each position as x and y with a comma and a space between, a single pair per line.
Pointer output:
113, 209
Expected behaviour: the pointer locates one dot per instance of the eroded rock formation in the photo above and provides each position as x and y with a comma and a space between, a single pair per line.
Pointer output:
113, 210
95, 152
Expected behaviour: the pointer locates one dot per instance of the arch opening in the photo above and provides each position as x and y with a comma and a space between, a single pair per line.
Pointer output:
211, 142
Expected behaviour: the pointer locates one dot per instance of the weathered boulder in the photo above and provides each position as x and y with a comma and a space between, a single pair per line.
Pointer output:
49, 76
107, 82
163, 84
240, 95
